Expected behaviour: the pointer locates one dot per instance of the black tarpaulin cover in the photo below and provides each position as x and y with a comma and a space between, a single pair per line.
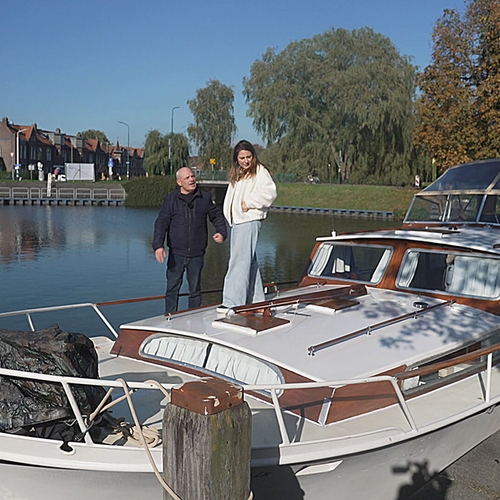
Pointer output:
24, 402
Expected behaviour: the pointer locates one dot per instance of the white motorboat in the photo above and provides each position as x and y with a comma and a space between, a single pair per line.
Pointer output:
377, 371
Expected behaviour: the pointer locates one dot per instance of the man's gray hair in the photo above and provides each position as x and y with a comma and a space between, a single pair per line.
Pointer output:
177, 173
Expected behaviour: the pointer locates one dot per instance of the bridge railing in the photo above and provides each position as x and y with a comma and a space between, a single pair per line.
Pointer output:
211, 175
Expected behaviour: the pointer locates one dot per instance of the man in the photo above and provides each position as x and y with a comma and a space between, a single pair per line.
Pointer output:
183, 220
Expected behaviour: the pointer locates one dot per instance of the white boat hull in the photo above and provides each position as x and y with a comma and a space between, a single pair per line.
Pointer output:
392, 472
389, 473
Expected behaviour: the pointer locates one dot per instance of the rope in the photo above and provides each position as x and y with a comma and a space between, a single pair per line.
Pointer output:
147, 437
143, 442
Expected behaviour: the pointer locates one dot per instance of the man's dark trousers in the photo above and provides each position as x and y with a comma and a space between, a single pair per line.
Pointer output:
176, 265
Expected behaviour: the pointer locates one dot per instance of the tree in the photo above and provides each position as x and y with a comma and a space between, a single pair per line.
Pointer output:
214, 125
460, 89
156, 152
95, 134
341, 98
180, 151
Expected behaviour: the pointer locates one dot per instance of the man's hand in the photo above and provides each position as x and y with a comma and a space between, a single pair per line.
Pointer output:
160, 255
218, 238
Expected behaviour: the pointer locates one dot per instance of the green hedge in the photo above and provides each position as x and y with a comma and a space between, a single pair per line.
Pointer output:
148, 191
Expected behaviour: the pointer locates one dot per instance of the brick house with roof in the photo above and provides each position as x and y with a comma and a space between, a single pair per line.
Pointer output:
29, 145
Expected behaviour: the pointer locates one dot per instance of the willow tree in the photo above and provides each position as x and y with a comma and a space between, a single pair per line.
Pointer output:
343, 98
157, 151
460, 89
214, 126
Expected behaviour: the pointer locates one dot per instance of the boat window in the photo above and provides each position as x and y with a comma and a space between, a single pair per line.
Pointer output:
470, 275
364, 263
215, 359
491, 210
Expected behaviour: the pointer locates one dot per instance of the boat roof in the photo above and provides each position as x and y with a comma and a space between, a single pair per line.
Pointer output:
479, 176
405, 342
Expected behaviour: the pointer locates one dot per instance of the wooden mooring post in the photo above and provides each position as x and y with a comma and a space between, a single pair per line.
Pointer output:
207, 430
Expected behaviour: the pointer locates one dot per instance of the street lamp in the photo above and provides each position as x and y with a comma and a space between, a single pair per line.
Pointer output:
17, 148
171, 141
128, 147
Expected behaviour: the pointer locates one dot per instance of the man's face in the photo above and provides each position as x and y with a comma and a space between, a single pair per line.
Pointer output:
186, 180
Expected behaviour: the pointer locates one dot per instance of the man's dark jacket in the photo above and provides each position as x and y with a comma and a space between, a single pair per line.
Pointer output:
185, 224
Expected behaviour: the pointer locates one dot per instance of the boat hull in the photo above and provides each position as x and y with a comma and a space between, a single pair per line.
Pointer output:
392, 472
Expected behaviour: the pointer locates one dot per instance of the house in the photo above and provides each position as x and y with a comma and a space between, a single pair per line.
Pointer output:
28, 145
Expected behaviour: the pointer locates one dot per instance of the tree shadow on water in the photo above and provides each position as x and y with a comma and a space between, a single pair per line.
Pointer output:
423, 484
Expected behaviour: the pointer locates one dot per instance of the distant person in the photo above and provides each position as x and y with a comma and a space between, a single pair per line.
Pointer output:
250, 193
183, 221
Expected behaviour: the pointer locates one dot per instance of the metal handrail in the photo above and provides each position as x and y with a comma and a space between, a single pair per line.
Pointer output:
376, 326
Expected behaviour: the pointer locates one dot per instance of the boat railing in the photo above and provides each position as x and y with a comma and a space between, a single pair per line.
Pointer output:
271, 288
67, 382
396, 381
279, 388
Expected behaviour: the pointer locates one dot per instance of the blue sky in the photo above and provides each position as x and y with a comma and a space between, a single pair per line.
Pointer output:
82, 64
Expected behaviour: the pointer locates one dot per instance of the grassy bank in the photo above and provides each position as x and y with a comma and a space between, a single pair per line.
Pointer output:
149, 192
386, 198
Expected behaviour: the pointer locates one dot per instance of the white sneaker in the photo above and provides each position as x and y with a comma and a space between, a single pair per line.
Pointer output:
223, 310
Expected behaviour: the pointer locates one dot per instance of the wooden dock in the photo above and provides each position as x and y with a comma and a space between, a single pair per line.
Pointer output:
66, 195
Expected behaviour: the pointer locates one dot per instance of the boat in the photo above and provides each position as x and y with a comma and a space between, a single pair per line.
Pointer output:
376, 371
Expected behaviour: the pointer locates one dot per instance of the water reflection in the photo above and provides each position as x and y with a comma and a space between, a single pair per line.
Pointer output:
59, 255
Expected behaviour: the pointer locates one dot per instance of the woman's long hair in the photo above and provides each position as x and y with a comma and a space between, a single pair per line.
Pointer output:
234, 173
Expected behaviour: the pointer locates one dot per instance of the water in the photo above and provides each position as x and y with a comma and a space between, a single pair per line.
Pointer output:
54, 255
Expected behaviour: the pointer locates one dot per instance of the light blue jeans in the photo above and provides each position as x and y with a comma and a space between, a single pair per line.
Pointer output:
243, 283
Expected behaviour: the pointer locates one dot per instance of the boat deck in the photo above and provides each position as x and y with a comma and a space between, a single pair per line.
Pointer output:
427, 411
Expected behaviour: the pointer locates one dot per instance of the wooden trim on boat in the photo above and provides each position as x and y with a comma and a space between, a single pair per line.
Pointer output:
258, 317
350, 290
440, 365
272, 284
352, 400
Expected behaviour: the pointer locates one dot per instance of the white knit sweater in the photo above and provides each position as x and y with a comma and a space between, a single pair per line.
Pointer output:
258, 192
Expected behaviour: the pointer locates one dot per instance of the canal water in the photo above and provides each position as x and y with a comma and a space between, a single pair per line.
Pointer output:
55, 255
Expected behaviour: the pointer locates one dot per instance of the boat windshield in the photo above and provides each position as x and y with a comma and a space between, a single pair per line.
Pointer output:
365, 263
445, 207
469, 275
467, 193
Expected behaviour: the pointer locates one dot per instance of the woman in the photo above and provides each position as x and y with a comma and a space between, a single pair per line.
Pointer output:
250, 193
